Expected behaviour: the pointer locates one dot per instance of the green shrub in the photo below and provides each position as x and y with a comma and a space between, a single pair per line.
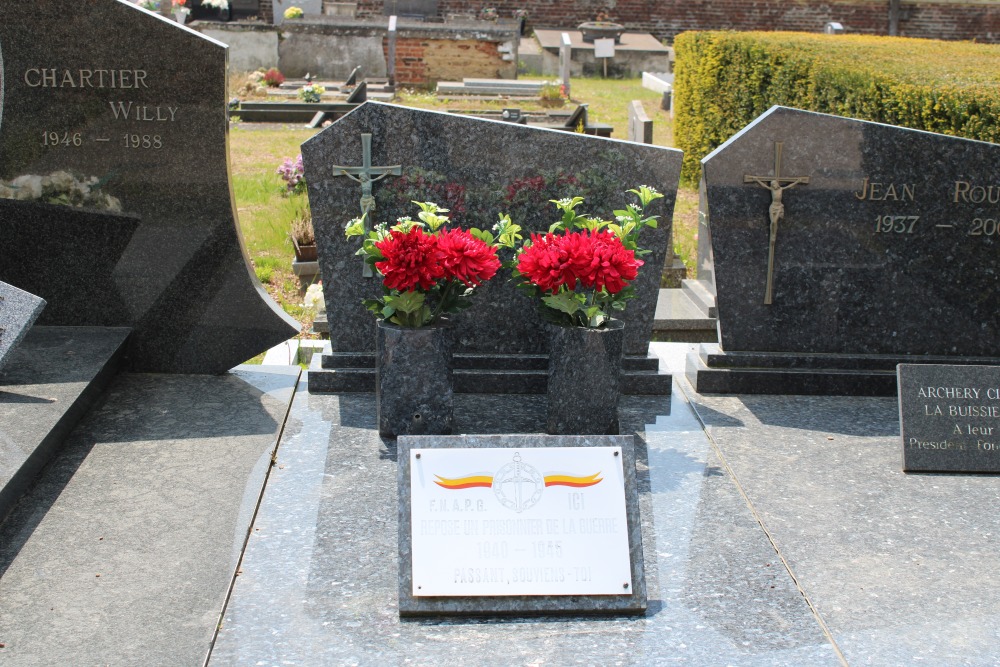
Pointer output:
724, 80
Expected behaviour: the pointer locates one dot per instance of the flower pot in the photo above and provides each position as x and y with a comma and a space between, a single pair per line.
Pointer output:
304, 253
181, 17
584, 379
413, 384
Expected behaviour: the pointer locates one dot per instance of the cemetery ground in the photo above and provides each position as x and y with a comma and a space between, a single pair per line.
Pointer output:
265, 212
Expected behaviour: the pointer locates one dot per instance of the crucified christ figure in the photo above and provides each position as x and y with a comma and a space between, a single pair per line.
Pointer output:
777, 184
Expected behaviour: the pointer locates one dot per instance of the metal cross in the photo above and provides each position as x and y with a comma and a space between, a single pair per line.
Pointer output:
363, 175
776, 211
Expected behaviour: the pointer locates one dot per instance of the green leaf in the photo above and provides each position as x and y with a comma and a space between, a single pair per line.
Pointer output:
406, 302
566, 302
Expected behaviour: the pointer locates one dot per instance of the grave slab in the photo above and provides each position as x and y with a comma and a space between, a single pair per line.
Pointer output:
114, 137
52, 380
18, 311
835, 238
319, 582
125, 550
902, 568
432, 156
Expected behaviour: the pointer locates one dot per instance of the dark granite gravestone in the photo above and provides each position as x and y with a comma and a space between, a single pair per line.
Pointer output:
18, 311
843, 248
477, 169
527, 534
115, 203
949, 417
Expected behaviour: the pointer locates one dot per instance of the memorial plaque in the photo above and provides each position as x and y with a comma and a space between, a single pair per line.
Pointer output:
18, 310
838, 246
519, 524
113, 150
949, 418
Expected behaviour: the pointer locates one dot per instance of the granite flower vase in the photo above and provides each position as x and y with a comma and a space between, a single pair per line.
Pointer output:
584, 379
413, 379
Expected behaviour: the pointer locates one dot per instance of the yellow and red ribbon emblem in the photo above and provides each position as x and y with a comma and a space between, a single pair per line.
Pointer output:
486, 481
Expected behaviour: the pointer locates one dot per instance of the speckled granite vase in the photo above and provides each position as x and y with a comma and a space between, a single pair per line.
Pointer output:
413, 386
584, 379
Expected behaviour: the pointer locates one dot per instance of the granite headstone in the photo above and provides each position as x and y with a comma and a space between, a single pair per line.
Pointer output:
18, 311
842, 248
949, 417
115, 201
475, 168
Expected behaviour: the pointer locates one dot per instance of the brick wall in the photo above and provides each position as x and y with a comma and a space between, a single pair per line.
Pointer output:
267, 11
934, 19
422, 62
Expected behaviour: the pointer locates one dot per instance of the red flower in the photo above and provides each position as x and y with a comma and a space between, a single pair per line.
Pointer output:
600, 260
546, 264
597, 259
467, 258
411, 259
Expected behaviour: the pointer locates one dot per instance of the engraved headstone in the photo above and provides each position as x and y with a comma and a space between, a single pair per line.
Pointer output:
18, 310
949, 417
841, 250
475, 168
115, 202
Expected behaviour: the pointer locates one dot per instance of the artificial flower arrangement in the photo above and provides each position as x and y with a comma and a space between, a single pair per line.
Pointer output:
62, 188
582, 268
293, 173
216, 4
311, 92
179, 7
294, 13
428, 269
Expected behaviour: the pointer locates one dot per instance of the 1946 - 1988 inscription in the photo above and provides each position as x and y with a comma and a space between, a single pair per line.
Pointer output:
121, 110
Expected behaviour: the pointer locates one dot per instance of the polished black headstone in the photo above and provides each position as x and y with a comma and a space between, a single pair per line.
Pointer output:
18, 311
885, 251
477, 169
113, 144
949, 418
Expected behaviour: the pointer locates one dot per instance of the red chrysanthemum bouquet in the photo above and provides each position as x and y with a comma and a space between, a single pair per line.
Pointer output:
582, 268
427, 269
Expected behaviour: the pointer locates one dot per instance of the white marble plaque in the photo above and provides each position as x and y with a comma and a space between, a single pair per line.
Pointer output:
519, 521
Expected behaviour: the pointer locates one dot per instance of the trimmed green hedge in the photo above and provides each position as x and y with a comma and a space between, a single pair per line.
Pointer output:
724, 80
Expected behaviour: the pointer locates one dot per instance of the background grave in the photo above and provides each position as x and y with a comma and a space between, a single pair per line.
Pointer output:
882, 257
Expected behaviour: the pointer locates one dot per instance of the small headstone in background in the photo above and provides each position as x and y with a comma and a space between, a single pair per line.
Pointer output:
18, 310
640, 127
949, 417
565, 60
880, 256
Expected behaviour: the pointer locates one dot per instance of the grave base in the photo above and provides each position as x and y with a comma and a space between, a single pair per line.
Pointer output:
711, 370
480, 373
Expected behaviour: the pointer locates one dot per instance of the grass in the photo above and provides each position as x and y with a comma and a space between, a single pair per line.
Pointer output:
266, 212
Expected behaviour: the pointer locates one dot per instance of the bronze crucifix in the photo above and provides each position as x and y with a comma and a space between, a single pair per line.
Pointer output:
776, 211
